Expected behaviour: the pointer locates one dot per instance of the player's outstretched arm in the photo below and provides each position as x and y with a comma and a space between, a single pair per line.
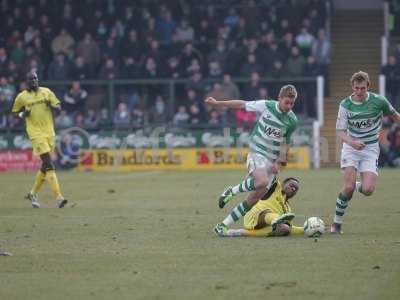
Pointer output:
225, 103
296, 230
263, 232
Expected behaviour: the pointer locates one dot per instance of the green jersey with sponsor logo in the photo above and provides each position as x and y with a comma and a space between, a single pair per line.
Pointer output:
273, 128
363, 120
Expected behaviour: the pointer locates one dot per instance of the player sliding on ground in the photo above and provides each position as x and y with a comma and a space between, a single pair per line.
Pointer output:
35, 105
358, 125
268, 145
259, 221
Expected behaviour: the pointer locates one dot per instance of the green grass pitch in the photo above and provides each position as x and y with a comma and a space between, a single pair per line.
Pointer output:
148, 235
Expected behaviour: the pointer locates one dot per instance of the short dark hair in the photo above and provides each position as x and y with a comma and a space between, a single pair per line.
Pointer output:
290, 178
30, 74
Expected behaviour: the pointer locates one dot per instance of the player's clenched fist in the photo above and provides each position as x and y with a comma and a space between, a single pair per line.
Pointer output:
211, 101
358, 145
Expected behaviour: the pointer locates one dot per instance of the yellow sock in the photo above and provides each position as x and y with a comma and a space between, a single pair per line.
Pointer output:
266, 231
297, 230
51, 177
269, 217
39, 179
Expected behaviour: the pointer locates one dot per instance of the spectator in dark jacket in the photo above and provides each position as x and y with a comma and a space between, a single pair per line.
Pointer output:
59, 68
75, 99
251, 66
392, 72
80, 70
109, 70
394, 148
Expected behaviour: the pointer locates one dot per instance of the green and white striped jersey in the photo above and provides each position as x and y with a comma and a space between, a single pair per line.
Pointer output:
363, 120
273, 128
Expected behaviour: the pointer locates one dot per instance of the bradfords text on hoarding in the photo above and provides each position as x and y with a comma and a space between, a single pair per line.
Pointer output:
179, 159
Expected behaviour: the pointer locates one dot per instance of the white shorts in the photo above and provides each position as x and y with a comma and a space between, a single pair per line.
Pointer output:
365, 160
257, 161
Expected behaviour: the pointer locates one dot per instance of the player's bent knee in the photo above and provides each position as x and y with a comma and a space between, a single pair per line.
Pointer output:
47, 166
368, 191
260, 184
349, 189
282, 230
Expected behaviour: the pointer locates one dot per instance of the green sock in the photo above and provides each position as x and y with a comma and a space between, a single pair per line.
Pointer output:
342, 202
246, 185
237, 212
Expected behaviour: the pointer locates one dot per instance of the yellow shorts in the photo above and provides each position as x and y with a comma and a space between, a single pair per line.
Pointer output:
251, 218
43, 145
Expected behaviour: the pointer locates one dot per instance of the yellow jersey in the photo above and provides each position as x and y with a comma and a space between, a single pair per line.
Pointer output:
39, 124
276, 202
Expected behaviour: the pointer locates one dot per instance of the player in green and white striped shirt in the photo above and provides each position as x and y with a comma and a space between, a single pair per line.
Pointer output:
358, 125
268, 145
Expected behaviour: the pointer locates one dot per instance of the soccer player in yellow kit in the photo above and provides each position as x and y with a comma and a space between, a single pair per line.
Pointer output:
35, 105
261, 219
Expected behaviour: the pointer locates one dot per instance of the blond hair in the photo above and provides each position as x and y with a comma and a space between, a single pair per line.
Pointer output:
288, 91
360, 76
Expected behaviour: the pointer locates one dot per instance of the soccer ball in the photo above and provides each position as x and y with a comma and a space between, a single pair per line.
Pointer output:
314, 227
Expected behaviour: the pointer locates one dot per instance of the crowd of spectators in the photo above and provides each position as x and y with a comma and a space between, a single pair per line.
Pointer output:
391, 69
392, 73
393, 20
389, 144
390, 134
209, 43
